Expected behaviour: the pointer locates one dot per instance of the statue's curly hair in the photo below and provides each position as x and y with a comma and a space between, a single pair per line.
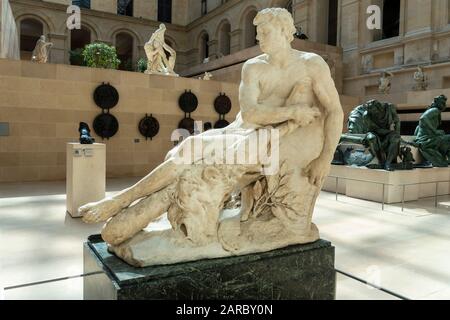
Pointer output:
282, 16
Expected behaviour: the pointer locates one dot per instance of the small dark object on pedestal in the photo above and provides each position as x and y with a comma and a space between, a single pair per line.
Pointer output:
85, 134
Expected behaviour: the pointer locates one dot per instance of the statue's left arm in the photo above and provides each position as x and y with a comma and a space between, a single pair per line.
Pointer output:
327, 95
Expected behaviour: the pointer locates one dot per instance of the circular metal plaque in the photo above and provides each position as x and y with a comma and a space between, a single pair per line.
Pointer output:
106, 125
106, 96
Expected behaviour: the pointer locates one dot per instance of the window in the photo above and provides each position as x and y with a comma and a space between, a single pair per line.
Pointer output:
332, 22
82, 3
391, 19
124, 47
125, 7
204, 47
224, 38
250, 30
78, 40
204, 7
165, 11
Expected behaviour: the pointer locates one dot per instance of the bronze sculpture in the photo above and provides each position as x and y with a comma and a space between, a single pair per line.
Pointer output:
433, 143
370, 125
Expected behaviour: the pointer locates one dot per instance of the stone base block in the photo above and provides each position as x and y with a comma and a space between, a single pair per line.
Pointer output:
302, 272
367, 184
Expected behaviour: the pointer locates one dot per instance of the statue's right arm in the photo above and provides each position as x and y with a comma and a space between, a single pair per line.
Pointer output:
251, 110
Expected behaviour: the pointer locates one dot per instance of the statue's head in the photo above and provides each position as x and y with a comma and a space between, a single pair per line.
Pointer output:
43, 38
440, 102
162, 26
275, 29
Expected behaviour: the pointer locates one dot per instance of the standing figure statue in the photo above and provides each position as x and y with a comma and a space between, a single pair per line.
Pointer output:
433, 143
421, 81
384, 83
41, 51
287, 96
155, 49
376, 125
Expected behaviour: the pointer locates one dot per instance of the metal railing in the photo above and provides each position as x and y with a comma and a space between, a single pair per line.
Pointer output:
402, 185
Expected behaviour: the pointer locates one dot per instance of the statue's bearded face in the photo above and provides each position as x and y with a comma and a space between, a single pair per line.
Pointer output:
270, 37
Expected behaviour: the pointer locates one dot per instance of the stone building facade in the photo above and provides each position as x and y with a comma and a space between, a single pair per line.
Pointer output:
413, 32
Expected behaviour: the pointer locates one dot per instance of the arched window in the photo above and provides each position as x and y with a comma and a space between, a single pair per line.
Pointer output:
78, 40
30, 32
250, 30
124, 48
165, 11
224, 38
204, 47
125, 7
391, 18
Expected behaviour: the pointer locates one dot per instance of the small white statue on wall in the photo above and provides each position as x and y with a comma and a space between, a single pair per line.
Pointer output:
155, 49
41, 51
207, 76
384, 84
420, 78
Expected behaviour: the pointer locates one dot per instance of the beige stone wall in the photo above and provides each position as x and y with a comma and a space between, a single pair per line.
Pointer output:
44, 104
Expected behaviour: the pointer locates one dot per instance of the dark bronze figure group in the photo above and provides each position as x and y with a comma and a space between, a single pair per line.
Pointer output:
375, 125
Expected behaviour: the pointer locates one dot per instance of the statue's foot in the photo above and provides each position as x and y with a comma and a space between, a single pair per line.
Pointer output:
100, 211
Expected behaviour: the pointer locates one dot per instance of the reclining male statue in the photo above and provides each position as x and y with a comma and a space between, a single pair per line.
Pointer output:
285, 92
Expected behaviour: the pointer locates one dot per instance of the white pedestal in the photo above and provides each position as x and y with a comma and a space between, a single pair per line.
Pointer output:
85, 175
367, 184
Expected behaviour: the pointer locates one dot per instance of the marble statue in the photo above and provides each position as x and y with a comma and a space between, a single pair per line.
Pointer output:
158, 62
284, 93
41, 51
433, 143
421, 81
384, 83
85, 134
376, 126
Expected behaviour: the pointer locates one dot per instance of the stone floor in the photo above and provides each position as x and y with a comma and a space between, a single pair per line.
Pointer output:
402, 254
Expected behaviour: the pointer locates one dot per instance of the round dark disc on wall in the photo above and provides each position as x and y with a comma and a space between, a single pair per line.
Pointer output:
149, 126
106, 125
106, 96
222, 123
188, 124
222, 104
188, 102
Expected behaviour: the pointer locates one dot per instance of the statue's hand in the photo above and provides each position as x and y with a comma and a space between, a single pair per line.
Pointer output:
304, 116
316, 171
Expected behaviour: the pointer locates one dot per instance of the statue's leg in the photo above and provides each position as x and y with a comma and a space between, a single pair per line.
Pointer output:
132, 220
393, 149
374, 145
158, 179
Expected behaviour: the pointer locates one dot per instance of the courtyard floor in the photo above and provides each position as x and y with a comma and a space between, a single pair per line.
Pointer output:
401, 254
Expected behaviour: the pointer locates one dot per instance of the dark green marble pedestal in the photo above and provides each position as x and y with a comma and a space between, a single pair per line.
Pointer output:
296, 272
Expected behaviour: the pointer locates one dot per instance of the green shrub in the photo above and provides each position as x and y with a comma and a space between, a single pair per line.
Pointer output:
142, 65
100, 55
